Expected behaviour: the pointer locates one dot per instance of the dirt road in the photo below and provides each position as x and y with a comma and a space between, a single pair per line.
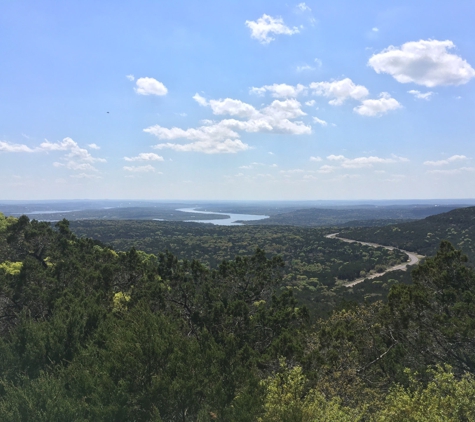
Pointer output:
413, 258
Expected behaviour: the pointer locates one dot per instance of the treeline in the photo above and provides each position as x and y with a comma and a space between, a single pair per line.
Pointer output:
351, 216
424, 236
307, 253
87, 333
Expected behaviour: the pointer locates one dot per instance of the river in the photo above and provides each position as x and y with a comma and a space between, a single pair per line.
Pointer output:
231, 221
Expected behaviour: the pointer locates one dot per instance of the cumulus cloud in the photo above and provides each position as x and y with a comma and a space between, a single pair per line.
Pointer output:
231, 107
75, 157
9, 147
339, 91
150, 86
421, 95
145, 156
75, 151
310, 103
424, 62
447, 161
140, 169
280, 90
200, 100
208, 147
326, 169
320, 121
130, 77
222, 136
94, 146
375, 29
315, 159
262, 29
377, 107
360, 162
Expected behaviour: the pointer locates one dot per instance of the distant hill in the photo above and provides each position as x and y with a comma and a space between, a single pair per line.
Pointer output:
424, 236
362, 216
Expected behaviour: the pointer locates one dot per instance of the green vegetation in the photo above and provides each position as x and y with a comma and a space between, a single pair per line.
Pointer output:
315, 267
424, 236
88, 333
350, 217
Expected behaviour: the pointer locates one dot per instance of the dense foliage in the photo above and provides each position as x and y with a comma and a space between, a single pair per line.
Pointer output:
315, 267
87, 333
424, 236
351, 216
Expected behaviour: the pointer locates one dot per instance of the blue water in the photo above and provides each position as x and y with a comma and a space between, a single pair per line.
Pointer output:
230, 221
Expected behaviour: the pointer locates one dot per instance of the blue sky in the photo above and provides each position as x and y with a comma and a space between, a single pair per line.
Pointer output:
237, 100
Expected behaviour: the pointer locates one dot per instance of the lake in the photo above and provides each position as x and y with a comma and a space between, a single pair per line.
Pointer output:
231, 221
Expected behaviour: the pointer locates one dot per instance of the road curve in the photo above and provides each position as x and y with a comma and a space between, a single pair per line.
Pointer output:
413, 258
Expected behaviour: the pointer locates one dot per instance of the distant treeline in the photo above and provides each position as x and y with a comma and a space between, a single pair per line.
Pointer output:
424, 236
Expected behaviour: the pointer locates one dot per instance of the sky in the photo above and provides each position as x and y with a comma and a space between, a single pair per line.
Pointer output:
237, 100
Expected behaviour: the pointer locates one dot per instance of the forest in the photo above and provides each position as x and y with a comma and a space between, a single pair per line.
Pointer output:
88, 332
424, 236
316, 268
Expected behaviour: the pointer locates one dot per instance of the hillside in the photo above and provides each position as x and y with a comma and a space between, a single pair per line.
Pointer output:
89, 333
315, 267
424, 236
371, 215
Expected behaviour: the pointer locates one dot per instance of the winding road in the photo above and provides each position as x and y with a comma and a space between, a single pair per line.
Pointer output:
413, 258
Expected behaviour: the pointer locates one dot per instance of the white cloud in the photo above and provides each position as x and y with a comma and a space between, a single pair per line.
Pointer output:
424, 62
360, 162
280, 90
266, 25
339, 91
130, 77
447, 161
208, 147
375, 29
304, 67
233, 108
85, 176
76, 158
326, 169
150, 86
140, 169
145, 156
94, 146
8, 147
320, 121
75, 151
378, 107
310, 103
292, 171
74, 165
315, 159
453, 171
303, 7
200, 100
419, 95
222, 136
